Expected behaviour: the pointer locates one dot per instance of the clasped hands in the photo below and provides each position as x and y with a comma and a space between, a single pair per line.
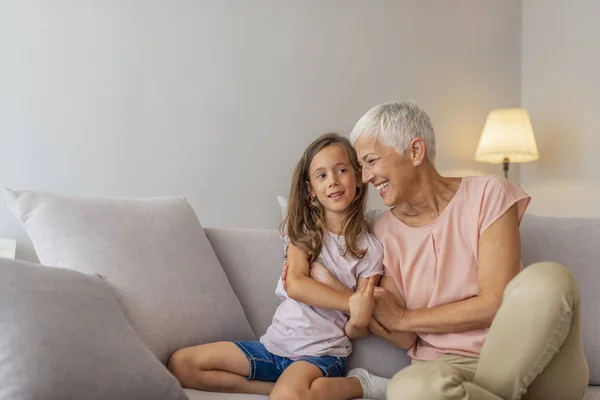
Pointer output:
367, 301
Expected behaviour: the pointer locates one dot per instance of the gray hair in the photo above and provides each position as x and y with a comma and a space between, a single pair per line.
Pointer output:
396, 124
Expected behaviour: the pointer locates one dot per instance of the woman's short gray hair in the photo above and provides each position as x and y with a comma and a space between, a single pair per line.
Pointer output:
396, 124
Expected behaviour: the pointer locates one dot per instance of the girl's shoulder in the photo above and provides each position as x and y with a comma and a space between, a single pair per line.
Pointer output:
369, 242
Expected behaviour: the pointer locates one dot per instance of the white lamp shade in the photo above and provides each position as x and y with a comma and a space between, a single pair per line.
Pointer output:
507, 134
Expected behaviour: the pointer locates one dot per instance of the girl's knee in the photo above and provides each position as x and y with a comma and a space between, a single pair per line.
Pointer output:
181, 365
178, 361
289, 392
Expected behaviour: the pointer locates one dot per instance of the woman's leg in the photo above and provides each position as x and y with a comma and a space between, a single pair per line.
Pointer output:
304, 381
216, 367
533, 349
446, 378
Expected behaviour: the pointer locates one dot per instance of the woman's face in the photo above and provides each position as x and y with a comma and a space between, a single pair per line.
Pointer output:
391, 173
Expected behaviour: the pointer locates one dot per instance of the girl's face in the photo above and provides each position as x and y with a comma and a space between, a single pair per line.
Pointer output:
331, 179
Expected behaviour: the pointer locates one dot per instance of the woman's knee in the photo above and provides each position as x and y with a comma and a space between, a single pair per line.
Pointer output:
426, 381
545, 282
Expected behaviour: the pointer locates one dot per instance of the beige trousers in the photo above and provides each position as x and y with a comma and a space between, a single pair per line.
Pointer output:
533, 349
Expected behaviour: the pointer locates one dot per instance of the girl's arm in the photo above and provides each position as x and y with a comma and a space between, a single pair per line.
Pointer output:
301, 287
354, 328
362, 303
498, 262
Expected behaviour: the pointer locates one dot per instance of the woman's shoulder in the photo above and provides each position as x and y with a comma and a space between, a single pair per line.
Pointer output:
489, 197
478, 187
486, 180
370, 240
383, 224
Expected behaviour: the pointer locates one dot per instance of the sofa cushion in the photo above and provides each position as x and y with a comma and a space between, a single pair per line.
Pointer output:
200, 395
252, 260
572, 242
153, 253
64, 336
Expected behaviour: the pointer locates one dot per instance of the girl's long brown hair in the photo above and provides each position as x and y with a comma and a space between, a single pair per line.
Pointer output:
305, 220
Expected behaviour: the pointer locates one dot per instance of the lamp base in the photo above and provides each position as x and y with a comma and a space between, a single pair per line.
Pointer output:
506, 162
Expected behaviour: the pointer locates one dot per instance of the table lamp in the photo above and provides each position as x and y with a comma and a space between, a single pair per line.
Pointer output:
507, 137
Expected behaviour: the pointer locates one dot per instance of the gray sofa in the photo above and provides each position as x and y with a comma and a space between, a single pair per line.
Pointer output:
572, 242
250, 260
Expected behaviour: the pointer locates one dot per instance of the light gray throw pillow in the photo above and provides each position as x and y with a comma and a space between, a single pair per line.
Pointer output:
153, 253
64, 336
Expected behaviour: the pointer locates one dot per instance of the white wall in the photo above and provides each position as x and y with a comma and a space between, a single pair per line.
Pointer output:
561, 89
215, 100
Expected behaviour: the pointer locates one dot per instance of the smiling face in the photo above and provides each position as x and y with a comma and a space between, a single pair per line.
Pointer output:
332, 180
390, 172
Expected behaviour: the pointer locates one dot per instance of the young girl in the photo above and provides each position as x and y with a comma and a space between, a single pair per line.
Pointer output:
303, 353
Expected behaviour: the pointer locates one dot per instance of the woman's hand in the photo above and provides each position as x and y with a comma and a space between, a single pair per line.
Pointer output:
387, 310
362, 303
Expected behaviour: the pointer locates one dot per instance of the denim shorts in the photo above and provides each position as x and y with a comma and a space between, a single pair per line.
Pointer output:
268, 367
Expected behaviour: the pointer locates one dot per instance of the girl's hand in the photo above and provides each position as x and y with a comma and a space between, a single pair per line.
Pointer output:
362, 304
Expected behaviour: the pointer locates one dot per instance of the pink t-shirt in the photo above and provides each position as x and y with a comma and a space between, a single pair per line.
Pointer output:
436, 264
301, 330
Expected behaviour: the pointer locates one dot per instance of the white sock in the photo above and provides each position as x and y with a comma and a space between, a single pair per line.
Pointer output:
373, 386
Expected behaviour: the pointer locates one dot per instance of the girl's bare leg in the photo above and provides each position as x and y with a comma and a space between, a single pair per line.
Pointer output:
216, 367
304, 381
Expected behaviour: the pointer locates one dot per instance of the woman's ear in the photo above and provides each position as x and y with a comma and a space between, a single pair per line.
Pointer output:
417, 151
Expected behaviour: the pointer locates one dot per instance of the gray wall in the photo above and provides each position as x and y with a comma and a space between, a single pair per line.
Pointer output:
215, 100
561, 89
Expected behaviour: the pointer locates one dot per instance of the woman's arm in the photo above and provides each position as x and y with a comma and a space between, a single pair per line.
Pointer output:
499, 261
301, 287
403, 340
388, 297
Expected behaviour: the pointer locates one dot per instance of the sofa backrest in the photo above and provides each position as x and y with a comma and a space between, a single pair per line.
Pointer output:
252, 261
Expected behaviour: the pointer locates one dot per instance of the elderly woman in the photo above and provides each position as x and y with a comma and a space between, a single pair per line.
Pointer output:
455, 294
